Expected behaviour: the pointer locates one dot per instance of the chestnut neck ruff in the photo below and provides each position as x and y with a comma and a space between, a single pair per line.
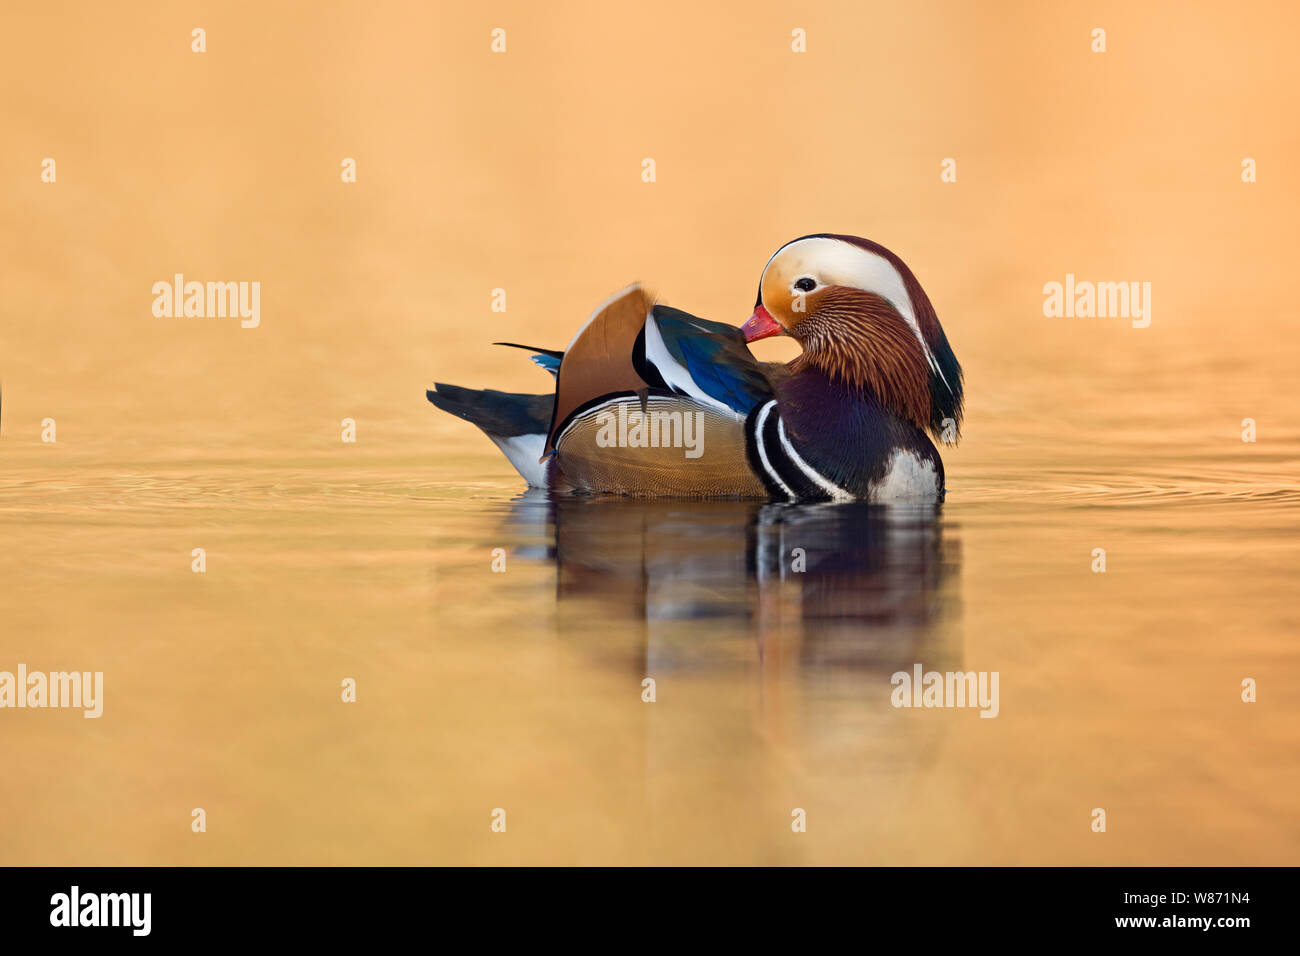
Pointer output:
857, 337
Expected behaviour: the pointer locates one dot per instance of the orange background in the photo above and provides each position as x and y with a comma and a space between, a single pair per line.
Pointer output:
522, 171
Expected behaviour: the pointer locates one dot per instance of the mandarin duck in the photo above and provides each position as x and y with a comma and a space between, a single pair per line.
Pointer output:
652, 401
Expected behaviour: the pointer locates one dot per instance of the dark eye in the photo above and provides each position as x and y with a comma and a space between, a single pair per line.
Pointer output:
805, 284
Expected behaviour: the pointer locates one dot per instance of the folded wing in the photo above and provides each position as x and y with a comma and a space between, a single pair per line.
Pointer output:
632, 347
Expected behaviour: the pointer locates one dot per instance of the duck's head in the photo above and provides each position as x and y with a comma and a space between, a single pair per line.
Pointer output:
861, 318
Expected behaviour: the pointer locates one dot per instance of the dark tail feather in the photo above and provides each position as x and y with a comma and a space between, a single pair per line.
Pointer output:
499, 414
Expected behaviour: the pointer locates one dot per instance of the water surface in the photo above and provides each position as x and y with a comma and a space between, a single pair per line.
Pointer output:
522, 688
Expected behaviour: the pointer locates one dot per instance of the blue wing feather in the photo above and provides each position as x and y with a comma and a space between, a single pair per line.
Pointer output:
549, 362
715, 357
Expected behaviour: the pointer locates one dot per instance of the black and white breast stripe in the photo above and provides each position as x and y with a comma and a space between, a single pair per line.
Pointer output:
784, 472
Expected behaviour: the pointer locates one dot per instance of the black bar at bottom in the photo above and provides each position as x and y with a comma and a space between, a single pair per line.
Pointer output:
923, 905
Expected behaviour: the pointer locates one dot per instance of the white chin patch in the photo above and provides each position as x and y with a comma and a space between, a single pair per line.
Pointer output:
908, 478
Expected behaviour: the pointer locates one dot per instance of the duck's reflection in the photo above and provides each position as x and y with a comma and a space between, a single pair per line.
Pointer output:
839, 588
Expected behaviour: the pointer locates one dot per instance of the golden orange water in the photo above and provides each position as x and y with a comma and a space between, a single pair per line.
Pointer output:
522, 690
